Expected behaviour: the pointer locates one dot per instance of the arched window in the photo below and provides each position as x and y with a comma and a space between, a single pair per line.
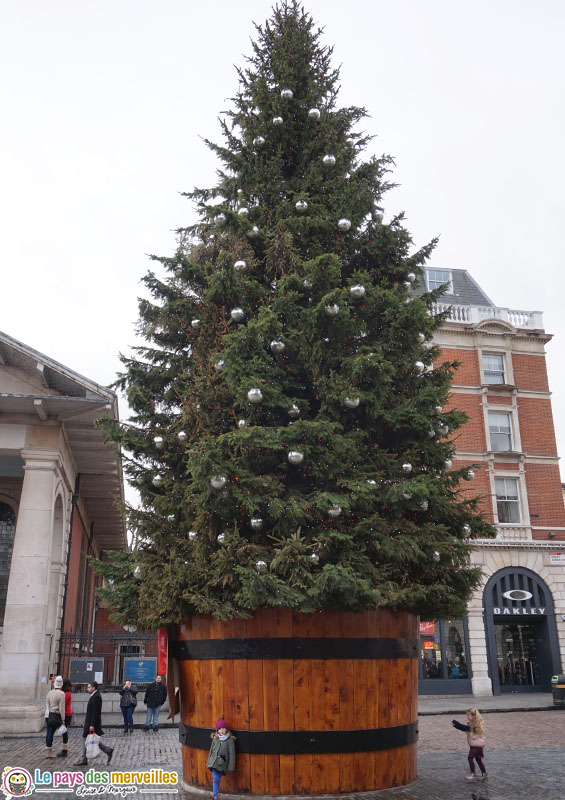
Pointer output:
7, 530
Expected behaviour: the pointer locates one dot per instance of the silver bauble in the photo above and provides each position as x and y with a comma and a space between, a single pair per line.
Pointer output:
243, 212
287, 94
218, 481
443, 429
301, 206
466, 531
334, 511
420, 366
344, 224
219, 365
431, 433
195, 323
253, 232
314, 113
371, 482
257, 523
159, 442
240, 265
439, 409
421, 337
357, 291
407, 495
378, 217
241, 424
406, 284
351, 402
237, 314
436, 555
424, 505
140, 480
181, 436
407, 467
192, 535
255, 395
329, 160
278, 121
448, 463
240, 192
332, 310
411, 277
261, 566
277, 346
157, 480
220, 219
315, 557
171, 518
258, 141
221, 538
306, 283
295, 457
294, 411
470, 476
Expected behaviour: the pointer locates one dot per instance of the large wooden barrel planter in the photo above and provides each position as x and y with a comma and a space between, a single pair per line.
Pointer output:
320, 703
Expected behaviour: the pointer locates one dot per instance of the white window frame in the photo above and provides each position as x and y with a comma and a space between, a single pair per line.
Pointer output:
505, 378
508, 413
516, 478
449, 280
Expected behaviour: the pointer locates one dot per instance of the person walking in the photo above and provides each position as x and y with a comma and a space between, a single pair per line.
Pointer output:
93, 719
155, 696
475, 730
66, 689
221, 758
54, 714
128, 702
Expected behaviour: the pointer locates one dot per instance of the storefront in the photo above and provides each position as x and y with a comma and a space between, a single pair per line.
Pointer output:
444, 657
521, 632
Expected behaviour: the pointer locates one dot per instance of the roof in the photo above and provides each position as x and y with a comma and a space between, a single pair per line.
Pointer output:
42, 387
466, 291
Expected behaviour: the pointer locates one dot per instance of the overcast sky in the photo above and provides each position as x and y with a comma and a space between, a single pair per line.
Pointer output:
104, 103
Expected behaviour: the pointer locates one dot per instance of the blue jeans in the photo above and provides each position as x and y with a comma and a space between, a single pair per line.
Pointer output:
49, 735
152, 717
216, 777
127, 712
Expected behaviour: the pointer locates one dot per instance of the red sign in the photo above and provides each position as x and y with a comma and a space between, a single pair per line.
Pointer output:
427, 627
428, 645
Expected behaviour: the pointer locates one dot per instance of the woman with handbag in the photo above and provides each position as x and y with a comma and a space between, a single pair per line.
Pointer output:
54, 713
66, 688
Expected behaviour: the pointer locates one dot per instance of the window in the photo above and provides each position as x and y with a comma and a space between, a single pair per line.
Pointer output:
493, 368
437, 278
507, 500
500, 431
442, 650
7, 530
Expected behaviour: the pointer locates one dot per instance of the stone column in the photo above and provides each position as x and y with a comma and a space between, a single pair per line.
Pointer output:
24, 642
481, 684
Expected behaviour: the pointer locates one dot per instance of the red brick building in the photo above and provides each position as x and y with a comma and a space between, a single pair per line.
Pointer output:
513, 638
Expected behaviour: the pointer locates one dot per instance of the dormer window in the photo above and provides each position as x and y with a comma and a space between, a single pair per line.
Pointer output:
439, 277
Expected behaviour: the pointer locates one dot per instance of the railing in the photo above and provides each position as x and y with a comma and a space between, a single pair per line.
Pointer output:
106, 651
514, 533
533, 320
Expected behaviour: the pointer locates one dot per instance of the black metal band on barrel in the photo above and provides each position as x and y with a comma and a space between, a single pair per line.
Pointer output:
229, 649
290, 742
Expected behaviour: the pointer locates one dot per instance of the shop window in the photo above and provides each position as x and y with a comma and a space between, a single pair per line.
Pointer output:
7, 530
508, 500
442, 650
493, 368
500, 431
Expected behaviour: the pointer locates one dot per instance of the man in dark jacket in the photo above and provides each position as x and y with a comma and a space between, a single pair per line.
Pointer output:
155, 696
93, 719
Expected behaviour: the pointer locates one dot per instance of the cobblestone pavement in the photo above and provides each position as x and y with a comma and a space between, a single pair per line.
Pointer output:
525, 759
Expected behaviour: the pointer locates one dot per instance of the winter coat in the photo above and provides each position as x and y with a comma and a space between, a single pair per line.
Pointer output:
128, 697
472, 739
93, 716
155, 695
222, 754
55, 701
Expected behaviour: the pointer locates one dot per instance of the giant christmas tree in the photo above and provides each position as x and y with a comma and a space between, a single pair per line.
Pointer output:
290, 438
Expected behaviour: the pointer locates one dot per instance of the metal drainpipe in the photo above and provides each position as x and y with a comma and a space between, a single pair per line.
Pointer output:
74, 499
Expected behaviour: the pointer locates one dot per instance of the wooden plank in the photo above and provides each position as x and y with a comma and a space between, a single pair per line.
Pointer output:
346, 717
360, 760
331, 717
285, 680
217, 675
271, 713
255, 678
302, 719
284, 622
317, 719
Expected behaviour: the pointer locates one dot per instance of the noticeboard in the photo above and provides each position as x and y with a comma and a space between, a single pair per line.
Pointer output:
84, 670
140, 670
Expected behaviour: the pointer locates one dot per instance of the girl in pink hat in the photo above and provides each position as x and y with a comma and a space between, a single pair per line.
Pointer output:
221, 758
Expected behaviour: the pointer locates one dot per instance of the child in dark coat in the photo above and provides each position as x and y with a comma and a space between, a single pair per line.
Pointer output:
221, 758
